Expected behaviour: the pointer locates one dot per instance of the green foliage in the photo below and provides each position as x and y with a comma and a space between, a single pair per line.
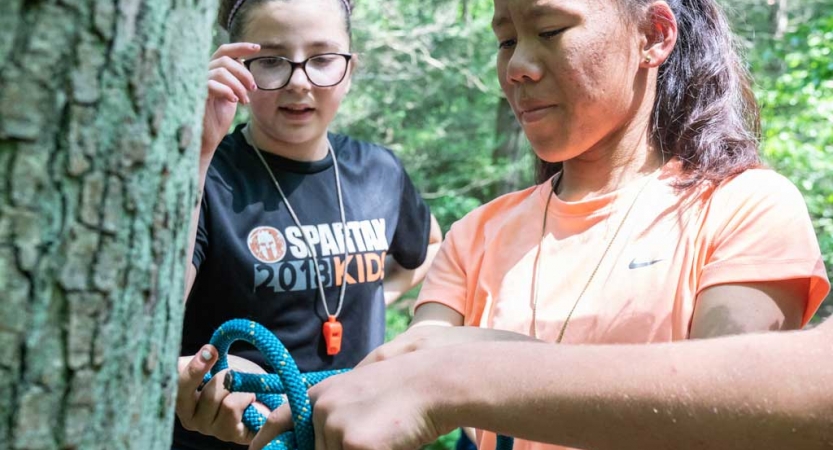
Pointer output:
796, 95
426, 88
398, 318
444, 442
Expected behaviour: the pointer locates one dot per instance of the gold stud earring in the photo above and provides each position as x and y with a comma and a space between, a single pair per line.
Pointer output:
648, 59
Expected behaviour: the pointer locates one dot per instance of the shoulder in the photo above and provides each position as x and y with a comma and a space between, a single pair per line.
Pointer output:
756, 201
232, 152
757, 186
364, 154
232, 165
493, 214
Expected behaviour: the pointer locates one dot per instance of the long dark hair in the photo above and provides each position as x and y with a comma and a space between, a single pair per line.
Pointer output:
705, 112
233, 15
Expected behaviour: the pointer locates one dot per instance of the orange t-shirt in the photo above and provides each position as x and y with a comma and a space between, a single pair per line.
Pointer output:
752, 228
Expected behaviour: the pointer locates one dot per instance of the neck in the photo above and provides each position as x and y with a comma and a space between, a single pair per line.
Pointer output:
313, 150
607, 168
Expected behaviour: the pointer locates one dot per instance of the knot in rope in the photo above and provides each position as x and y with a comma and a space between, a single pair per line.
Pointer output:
268, 388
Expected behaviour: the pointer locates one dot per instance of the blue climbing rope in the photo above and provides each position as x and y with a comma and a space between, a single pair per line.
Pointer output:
268, 388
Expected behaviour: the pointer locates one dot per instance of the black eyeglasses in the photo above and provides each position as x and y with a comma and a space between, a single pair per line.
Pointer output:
274, 72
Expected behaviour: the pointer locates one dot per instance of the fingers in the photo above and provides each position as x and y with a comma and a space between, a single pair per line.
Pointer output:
211, 410
208, 406
327, 435
190, 378
375, 356
318, 425
228, 423
407, 342
226, 69
236, 69
279, 421
236, 50
219, 413
224, 82
239, 364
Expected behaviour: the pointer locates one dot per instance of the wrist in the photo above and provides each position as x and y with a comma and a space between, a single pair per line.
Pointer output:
450, 397
205, 159
203, 164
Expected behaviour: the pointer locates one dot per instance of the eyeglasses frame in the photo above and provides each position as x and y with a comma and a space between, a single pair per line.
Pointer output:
303, 65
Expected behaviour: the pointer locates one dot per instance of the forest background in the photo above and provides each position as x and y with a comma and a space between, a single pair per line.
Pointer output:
99, 107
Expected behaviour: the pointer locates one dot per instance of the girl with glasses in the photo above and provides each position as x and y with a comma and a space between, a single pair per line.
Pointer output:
654, 221
306, 232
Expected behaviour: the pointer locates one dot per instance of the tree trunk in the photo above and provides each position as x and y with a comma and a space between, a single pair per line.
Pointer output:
464, 11
780, 18
100, 106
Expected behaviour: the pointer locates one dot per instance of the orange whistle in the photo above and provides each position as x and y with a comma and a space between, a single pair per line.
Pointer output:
332, 335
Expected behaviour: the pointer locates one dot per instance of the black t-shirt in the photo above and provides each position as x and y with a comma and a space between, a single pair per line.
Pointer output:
252, 260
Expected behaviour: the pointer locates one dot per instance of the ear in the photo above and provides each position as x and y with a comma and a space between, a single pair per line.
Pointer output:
660, 34
354, 61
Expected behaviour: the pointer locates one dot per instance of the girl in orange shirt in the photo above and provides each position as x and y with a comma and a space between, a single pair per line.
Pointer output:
653, 220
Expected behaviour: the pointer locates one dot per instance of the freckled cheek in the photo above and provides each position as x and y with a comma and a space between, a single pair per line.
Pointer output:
582, 70
586, 82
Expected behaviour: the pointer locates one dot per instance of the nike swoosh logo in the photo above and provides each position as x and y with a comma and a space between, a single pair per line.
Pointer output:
637, 264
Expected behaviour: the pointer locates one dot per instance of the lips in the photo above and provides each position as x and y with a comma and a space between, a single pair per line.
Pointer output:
529, 112
297, 112
296, 108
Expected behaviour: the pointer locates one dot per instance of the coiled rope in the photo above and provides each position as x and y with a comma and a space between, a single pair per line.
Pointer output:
268, 388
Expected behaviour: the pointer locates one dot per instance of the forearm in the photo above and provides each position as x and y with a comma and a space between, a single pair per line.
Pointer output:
756, 391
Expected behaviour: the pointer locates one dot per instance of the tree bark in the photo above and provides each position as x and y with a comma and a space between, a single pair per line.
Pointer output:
100, 119
780, 18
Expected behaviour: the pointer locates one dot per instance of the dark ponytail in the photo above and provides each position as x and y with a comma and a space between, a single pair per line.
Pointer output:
705, 112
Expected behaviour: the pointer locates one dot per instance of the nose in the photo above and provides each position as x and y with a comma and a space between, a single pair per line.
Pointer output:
523, 65
298, 80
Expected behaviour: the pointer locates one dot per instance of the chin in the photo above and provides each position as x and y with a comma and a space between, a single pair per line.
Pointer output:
298, 136
551, 150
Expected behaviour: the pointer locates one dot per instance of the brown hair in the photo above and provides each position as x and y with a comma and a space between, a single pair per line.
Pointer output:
705, 113
233, 15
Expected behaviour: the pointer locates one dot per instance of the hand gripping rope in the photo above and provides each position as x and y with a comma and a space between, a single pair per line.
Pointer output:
269, 387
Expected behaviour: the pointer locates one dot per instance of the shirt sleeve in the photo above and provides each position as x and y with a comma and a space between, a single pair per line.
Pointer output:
759, 230
201, 241
410, 239
446, 281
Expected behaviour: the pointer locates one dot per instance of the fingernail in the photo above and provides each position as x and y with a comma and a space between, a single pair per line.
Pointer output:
205, 355
255, 46
235, 99
254, 87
